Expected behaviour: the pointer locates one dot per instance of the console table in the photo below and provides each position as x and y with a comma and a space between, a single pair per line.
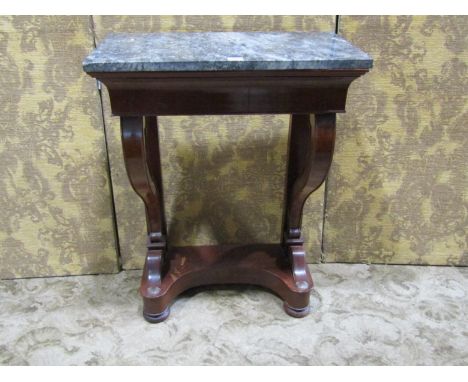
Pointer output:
306, 75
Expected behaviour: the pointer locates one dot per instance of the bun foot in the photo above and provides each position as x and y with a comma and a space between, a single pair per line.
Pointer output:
155, 318
296, 312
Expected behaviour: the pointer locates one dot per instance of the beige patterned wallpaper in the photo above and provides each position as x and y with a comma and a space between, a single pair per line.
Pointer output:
398, 188
223, 176
55, 206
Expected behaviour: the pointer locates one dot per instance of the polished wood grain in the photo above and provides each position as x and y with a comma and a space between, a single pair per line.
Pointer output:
311, 97
237, 92
257, 264
140, 143
311, 146
141, 156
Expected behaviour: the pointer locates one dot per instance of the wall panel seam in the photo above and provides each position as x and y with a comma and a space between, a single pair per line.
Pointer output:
108, 167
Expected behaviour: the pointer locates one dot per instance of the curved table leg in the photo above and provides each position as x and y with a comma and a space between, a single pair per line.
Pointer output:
140, 144
311, 146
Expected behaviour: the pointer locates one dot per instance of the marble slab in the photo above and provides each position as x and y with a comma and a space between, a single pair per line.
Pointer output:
214, 51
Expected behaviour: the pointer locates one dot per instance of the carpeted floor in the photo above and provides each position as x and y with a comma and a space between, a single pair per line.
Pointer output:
362, 315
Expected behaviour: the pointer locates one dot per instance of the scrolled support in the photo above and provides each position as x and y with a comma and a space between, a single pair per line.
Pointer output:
310, 156
140, 144
311, 144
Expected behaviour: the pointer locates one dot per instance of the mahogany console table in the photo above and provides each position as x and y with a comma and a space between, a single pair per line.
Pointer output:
306, 75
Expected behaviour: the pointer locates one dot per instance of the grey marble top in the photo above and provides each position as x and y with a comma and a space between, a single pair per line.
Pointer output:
212, 51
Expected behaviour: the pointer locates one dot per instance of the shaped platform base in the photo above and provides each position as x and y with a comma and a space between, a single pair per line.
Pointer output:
265, 265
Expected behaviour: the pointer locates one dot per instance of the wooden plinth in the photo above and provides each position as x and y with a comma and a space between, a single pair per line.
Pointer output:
265, 265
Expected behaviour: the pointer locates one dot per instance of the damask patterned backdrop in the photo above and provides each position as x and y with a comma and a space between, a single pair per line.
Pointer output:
55, 204
398, 187
397, 191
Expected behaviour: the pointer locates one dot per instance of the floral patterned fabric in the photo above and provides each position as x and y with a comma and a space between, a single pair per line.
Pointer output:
361, 315
397, 190
55, 204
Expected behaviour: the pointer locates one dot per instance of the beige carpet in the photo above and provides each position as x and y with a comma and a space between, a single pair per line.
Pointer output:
372, 315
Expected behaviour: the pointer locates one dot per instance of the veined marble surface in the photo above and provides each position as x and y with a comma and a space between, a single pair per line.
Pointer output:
361, 315
212, 51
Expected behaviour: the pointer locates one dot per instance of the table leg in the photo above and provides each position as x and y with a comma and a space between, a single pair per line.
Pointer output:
140, 143
311, 144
